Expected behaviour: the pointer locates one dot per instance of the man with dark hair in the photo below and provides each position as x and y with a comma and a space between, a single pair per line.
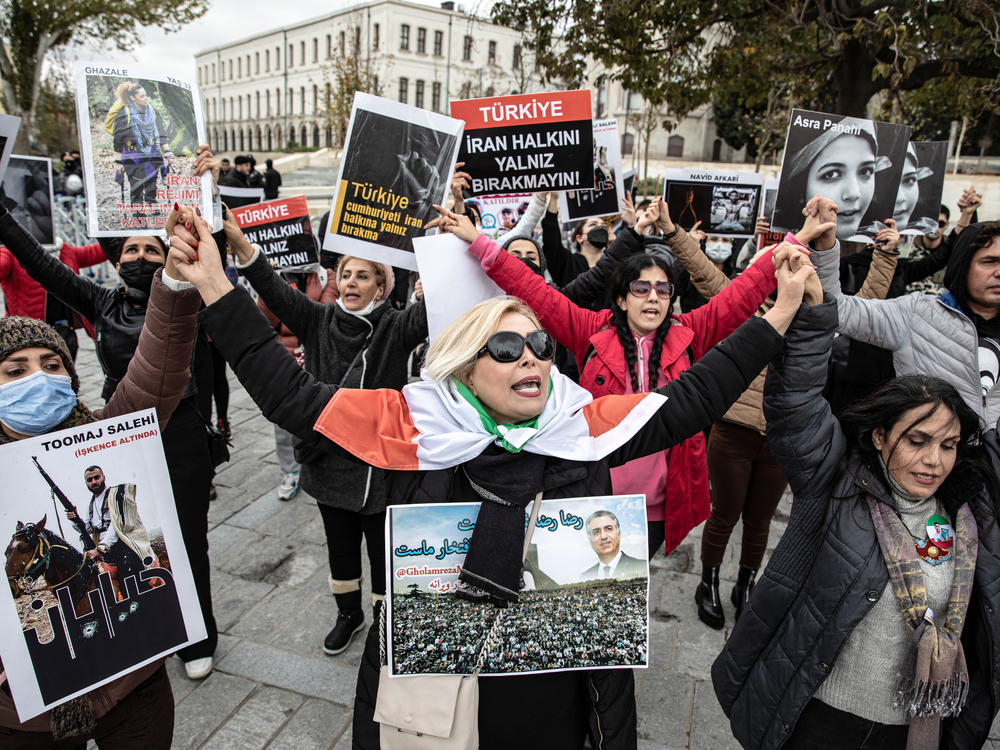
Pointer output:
224, 167
605, 536
272, 181
239, 175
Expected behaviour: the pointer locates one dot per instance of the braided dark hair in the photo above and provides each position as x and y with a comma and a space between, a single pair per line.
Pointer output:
624, 275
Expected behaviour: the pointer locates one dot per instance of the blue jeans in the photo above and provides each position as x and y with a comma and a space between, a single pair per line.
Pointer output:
823, 727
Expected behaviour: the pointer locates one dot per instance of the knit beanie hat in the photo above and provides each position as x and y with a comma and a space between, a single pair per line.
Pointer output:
390, 276
25, 333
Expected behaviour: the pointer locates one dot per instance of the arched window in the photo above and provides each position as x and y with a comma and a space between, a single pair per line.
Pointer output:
628, 143
242, 143
225, 141
305, 136
270, 141
717, 150
675, 146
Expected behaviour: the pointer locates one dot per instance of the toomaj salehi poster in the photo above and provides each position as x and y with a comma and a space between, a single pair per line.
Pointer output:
27, 193
397, 164
139, 129
609, 188
726, 203
528, 142
584, 605
99, 581
282, 230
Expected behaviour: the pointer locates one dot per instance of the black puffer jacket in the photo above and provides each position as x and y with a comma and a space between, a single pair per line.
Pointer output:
293, 399
331, 339
827, 571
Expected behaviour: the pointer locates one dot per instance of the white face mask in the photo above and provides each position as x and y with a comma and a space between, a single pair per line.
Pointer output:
366, 310
718, 252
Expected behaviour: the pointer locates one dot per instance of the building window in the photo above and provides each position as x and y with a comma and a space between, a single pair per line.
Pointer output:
256, 63
404, 85
628, 143
404, 36
466, 90
267, 61
277, 102
267, 102
290, 57
329, 46
258, 104
342, 43
418, 95
357, 41
248, 66
675, 146
315, 98
421, 40
239, 108
467, 48
600, 84
302, 53
230, 70
239, 67
491, 56
302, 100
375, 37
213, 72
290, 99
438, 43
315, 50
436, 96
516, 58
277, 57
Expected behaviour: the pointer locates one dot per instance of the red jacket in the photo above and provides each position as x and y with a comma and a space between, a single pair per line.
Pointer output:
24, 296
686, 502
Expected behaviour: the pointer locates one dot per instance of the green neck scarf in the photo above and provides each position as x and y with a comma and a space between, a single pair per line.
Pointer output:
498, 431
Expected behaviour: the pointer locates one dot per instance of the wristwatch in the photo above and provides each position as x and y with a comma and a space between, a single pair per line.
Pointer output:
102, 548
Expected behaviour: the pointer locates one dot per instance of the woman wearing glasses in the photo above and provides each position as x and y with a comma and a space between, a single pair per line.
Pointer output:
635, 345
448, 438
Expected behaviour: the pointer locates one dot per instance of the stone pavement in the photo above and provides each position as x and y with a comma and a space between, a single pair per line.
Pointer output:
274, 688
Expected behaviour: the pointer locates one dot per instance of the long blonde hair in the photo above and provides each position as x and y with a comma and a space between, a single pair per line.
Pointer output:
126, 90
453, 352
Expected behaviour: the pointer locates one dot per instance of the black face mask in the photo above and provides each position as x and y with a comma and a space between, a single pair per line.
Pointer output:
535, 268
138, 274
598, 237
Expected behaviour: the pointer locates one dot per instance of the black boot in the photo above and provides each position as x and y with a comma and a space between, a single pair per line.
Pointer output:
707, 597
743, 589
350, 622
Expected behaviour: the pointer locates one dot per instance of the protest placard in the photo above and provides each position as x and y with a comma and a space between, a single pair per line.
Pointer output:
8, 132
629, 181
609, 186
88, 604
397, 164
282, 230
441, 259
237, 197
27, 194
918, 198
500, 213
854, 162
583, 607
139, 130
769, 237
726, 203
528, 142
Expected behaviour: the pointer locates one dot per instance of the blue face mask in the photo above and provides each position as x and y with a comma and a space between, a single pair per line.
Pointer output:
36, 404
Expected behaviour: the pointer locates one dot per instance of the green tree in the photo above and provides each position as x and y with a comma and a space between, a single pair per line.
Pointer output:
31, 29
343, 76
835, 54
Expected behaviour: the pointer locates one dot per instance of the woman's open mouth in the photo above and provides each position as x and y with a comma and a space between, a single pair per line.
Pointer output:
529, 387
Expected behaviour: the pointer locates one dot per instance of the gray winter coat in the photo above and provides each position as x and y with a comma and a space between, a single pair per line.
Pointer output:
827, 571
331, 339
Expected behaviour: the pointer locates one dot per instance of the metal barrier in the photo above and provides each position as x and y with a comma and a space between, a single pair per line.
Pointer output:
69, 213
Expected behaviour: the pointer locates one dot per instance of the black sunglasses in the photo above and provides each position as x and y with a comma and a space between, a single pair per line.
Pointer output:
507, 346
942, 224
640, 288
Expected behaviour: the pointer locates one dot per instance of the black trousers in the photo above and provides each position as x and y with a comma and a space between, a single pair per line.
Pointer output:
186, 446
823, 727
343, 543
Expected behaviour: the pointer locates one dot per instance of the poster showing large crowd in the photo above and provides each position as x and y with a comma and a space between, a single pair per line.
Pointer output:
856, 163
139, 130
282, 230
27, 193
584, 605
527, 142
609, 188
8, 133
500, 213
726, 203
918, 199
98, 578
397, 164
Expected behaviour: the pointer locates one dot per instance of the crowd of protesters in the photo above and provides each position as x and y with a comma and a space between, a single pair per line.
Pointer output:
865, 623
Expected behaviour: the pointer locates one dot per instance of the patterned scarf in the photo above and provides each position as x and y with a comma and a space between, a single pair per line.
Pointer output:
937, 684
143, 128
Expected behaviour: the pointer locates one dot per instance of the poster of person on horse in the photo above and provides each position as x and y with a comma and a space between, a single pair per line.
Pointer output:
98, 578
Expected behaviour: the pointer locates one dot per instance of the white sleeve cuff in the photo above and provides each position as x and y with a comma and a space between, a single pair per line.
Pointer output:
175, 285
241, 266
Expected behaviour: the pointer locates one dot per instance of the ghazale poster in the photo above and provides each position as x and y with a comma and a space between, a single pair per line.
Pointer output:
139, 130
397, 164
282, 230
584, 605
528, 142
609, 189
99, 580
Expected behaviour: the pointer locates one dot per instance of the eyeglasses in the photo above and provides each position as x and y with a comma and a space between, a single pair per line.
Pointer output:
507, 346
942, 224
640, 288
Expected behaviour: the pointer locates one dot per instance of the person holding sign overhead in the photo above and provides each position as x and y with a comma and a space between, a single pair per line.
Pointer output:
39, 394
491, 421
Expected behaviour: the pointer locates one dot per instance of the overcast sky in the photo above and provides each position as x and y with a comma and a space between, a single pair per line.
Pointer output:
228, 21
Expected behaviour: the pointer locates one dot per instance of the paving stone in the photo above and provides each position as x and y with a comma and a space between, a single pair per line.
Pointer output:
319, 678
180, 685
257, 512
222, 538
256, 721
345, 741
677, 596
231, 602
697, 647
255, 560
231, 500
650, 745
662, 644
263, 621
709, 725
995, 729
664, 706
249, 473
206, 707
301, 567
317, 724
305, 635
